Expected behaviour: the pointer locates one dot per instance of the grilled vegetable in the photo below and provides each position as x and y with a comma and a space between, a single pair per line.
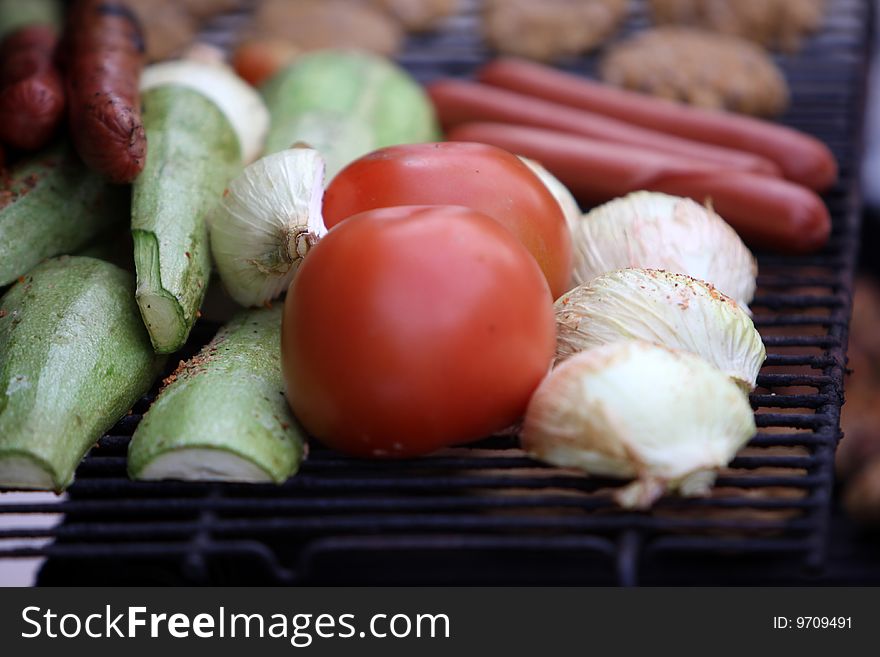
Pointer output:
203, 71
658, 231
194, 151
222, 415
52, 204
15, 14
266, 223
346, 104
476, 176
633, 410
672, 310
74, 357
412, 328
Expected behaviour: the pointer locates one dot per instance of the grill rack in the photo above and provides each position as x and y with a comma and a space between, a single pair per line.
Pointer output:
485, 513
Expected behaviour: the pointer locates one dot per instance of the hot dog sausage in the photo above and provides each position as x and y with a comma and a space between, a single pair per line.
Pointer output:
802, 158
767, 212
594, 171
458, 101
31, 90
104, 50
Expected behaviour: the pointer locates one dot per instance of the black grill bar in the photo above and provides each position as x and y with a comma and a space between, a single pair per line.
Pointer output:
487, 512
134, 508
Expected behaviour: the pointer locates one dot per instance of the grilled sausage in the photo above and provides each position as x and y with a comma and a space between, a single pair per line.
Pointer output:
802, 158
104, 51
767, 212
31, 90
458, 101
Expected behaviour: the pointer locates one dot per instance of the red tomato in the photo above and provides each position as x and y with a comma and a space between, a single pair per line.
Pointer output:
412, 328
258, 60
477, 176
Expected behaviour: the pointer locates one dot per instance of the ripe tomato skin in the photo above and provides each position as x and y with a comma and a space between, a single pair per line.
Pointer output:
477, 176
257, 60
408, 329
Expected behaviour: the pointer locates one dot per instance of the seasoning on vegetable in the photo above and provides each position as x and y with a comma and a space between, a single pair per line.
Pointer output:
672, 310
74, 357
633, 410
51, 204
222, 415
200, 120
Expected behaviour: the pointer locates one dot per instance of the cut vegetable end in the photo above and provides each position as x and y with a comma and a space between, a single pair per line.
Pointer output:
203, 464
20, 471
161, 312
162, 316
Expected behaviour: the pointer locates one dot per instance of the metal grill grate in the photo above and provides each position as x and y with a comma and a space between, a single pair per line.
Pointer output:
486, 513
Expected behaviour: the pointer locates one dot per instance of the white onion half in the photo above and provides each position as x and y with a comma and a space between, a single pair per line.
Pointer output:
569, 205
633, 410
657, 231
673, 310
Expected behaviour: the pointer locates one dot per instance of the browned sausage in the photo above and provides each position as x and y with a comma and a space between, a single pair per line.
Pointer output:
767, 212
458, 101
31, 91
104, 53
802, 158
